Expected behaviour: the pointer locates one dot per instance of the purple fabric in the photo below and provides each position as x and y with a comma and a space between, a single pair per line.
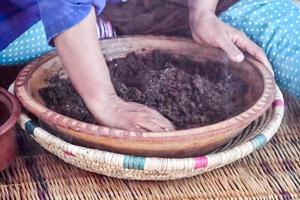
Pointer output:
16, 16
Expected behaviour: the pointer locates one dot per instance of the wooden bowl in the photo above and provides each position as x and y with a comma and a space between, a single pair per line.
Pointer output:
9, 114
190, 142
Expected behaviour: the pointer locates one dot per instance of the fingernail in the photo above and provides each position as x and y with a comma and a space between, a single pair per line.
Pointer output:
239, 57
169, 129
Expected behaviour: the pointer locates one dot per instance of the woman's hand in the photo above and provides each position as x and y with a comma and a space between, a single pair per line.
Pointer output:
114, 112
79, 50
209, 30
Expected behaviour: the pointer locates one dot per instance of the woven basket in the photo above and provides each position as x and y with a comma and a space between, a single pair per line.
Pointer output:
111, 164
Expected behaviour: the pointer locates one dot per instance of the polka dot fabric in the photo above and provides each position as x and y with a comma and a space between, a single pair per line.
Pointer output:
275, 26
30, 45
33, 43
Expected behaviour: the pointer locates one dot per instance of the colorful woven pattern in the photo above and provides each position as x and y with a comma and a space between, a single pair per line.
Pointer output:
149, 168
272, 172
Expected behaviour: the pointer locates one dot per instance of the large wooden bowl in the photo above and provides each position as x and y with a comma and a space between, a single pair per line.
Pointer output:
9, 114
191, 142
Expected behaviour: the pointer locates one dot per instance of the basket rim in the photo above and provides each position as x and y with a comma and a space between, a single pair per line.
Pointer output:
151, 168
252, 113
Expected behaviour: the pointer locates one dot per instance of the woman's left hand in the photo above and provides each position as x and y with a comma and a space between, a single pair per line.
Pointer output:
209, 30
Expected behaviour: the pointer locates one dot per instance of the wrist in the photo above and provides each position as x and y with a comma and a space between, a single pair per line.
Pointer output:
100, 95
103, 105
198, 6
201, 10
200, 17
99, 101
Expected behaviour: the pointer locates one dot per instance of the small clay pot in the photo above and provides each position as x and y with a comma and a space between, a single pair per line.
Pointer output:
9, 114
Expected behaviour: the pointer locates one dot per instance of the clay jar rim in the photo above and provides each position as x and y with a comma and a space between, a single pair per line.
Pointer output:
14, 112
56, 119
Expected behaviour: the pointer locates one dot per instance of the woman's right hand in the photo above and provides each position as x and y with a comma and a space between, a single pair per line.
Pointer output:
114, 112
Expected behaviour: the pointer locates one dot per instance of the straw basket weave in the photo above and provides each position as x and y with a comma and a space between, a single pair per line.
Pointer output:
152, 168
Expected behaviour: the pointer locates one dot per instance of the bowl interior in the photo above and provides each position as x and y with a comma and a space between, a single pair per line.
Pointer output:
179, 143
246, 71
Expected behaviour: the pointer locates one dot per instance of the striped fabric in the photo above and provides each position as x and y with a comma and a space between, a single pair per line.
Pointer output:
106, 30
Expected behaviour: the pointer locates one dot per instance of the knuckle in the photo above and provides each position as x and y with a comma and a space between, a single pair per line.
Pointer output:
259, 51
221, 39
240, 33
231, 48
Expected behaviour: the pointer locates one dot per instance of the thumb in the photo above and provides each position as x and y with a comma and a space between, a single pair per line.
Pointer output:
232, 51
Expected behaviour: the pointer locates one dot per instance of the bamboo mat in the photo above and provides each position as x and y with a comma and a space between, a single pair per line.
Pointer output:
272, 172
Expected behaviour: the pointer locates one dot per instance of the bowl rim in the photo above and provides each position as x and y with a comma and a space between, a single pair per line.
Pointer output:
49, 116
13, 115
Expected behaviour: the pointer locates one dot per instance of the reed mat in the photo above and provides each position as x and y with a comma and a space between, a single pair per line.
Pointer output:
272, 172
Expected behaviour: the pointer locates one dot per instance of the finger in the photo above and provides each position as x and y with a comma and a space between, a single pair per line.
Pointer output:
253, 49
131, 126
133, 107
141, 122
149, 113
136, 128
230, 49
162, 121
126, 125
150, 126
164, 124
158, 118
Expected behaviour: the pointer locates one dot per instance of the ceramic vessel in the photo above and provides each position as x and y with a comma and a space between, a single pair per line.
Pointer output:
183, 143
9, 114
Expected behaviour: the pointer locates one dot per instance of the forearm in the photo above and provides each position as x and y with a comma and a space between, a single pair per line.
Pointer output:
80, 52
